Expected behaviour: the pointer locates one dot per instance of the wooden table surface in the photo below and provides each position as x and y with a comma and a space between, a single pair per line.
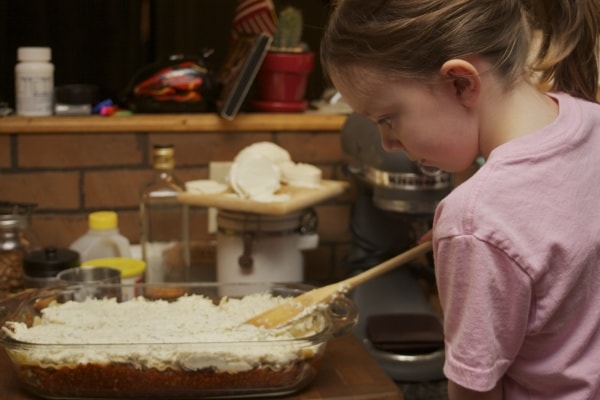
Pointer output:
347, 372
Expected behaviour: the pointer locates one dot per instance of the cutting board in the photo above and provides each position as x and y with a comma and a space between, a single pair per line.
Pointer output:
299, 198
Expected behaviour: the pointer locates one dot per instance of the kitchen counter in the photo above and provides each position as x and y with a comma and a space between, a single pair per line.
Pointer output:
174, 123
347, 372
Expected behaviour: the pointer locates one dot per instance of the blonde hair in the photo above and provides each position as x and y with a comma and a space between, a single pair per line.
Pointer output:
413, 38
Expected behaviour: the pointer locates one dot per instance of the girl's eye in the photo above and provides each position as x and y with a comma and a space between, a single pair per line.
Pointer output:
387, 122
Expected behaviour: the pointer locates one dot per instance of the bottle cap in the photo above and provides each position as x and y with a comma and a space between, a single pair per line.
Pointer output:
49, 261
103, 220
164, 157
34, 54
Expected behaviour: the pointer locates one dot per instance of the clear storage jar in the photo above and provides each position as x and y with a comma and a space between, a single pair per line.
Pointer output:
13, 246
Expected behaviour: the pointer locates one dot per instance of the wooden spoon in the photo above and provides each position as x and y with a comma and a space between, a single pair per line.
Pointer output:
287, 311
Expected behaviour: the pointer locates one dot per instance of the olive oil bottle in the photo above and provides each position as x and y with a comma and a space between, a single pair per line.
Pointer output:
165, 239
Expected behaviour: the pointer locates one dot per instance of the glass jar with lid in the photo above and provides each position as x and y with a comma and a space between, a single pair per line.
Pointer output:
41, 266
15, 242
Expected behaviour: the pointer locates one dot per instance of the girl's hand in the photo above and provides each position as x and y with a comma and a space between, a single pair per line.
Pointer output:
427, 236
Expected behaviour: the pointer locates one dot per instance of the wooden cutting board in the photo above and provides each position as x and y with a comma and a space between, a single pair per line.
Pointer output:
300, 198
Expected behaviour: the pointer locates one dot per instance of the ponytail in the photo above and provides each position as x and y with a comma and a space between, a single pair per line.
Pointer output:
567, 59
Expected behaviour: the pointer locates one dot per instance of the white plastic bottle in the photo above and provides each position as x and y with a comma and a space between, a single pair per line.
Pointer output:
34, 82
102, 239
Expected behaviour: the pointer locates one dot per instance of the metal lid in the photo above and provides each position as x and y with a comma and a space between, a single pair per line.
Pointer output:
163, 157
12, 221
49, 261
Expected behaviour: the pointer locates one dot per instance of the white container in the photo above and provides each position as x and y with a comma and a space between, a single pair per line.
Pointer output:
34, 82
263, 248
102, 239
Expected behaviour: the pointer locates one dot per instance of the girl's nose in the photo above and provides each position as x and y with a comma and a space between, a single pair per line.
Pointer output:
390, 144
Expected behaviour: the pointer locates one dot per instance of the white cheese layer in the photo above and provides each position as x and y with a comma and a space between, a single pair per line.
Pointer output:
190, 333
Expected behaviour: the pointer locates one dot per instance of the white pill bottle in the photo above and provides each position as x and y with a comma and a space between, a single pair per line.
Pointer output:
34, 82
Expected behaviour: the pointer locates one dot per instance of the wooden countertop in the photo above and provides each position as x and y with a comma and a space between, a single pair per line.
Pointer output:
347, 372
207, 122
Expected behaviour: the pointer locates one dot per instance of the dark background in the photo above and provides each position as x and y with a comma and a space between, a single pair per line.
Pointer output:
104, 42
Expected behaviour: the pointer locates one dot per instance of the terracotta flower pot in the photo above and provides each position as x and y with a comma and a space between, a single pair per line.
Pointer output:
283, 76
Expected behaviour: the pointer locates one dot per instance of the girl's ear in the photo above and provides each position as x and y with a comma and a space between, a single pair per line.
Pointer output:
465, 79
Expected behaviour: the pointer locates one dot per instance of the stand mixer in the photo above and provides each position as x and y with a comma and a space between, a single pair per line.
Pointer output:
394, 206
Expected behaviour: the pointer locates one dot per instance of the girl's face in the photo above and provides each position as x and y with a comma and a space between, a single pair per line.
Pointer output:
427, 121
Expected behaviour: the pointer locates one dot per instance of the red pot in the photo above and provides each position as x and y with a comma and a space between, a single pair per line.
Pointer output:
283, 76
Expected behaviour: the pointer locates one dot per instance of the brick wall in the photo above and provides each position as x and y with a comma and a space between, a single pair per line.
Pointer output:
71, 174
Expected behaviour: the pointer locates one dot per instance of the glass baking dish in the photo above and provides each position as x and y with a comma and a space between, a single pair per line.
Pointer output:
188, 368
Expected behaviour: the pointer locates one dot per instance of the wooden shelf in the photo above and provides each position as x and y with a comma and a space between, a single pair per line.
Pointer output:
174, 123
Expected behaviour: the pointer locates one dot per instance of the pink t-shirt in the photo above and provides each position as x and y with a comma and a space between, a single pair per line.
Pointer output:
517, 254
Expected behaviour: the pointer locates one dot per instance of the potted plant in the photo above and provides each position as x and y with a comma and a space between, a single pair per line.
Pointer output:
283, 75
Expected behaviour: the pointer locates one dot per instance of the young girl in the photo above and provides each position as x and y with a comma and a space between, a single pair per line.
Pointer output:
517, 246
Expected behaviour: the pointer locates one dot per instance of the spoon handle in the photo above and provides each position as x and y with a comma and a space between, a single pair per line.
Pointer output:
387, 265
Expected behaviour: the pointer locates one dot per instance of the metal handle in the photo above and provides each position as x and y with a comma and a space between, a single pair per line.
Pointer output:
245, 261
